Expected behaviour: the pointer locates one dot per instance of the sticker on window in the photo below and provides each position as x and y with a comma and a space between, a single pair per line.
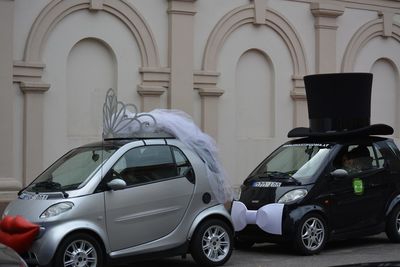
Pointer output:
358, 186
267, 184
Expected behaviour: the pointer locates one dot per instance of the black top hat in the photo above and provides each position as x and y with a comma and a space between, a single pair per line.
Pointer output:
339, 104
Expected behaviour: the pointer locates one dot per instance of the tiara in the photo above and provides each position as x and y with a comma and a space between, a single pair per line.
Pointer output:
123, 120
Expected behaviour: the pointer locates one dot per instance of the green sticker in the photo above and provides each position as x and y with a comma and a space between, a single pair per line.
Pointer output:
358, 186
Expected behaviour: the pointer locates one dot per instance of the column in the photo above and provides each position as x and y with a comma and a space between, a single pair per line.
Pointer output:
326, 15
206, 83
33, 128
9, 184
181, 23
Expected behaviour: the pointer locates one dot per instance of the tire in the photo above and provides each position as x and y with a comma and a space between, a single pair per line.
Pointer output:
311, 234
393, 225
212, 243
243, 244
82, 249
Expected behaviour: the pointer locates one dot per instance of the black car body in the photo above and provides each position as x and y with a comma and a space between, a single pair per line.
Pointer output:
313, 198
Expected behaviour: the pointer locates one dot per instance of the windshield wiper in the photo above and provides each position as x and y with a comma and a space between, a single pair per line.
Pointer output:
50, 185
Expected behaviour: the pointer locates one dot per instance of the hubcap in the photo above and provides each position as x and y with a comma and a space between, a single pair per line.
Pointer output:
398, 222
312, 233
80, 253
216, 243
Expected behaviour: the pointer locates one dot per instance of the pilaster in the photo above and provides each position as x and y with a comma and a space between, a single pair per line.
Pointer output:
9, 184
206, 83
326, 15
181, 40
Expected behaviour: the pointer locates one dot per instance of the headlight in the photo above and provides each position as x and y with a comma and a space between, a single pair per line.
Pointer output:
237, 192
293, 195
56, 209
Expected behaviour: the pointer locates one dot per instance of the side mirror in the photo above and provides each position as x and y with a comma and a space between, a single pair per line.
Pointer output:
116, 184
339, 174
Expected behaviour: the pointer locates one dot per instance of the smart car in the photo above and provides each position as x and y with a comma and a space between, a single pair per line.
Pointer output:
304, 195
338, 179
138, 198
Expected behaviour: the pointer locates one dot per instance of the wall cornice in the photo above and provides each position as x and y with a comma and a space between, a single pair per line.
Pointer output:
373, 5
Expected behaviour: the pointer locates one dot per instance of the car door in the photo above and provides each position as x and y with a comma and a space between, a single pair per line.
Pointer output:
359, 199
155, 199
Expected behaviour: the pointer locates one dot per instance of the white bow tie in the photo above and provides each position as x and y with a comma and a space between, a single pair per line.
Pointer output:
268, 217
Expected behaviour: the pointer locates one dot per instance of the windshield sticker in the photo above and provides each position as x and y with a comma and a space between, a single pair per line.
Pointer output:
267, 184
318, 145
358, 186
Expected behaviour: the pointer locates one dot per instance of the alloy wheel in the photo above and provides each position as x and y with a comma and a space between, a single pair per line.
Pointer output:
215, 243
313, 233
80, 253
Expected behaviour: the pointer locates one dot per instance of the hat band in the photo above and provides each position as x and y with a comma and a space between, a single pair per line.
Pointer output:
334, 124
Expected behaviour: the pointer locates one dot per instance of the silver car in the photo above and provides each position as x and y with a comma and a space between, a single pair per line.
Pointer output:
133, 198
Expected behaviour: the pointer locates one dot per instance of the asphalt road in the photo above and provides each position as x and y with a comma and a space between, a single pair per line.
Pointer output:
363, 250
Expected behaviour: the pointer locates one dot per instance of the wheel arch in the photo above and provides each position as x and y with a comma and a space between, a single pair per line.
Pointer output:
395, 201
297, 214
217, 212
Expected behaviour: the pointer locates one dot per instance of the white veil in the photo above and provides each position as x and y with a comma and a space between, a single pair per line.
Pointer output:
118, 121
180, 125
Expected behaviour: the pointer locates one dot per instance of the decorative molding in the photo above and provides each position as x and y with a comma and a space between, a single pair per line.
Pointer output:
326, 10
298, 92
57, 10
245, 15
259, 11
205, 79
149, 90
27, 71
155, 76
387, 22
182, 7
325, 15
96, 5
214, 92
366, 33
34, 87
372, 5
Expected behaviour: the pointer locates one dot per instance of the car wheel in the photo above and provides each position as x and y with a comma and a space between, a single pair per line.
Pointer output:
79, 250
311, 234
393, 225
211, 243
243, 244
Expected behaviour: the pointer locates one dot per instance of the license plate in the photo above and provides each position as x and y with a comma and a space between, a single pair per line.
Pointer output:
267, 184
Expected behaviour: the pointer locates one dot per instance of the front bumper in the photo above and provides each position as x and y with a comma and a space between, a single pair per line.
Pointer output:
268, 218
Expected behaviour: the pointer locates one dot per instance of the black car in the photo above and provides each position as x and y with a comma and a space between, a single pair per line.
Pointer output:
321, 199
338, 180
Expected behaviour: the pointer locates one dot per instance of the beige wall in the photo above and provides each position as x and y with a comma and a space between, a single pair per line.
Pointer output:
236, 66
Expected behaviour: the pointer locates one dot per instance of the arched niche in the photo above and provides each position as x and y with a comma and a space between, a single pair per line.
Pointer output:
386, 94
91, 70
367, 32
245, 15
255, 96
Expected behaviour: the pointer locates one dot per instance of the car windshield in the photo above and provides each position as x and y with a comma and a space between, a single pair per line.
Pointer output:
298, 162
72, 170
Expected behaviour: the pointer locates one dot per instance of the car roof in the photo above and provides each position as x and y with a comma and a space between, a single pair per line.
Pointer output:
119, 142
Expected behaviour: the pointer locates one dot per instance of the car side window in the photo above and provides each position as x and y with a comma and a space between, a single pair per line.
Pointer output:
146, 164
185, 169
379, 160
357, 158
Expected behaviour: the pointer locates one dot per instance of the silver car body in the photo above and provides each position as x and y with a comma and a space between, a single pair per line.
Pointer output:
142, 219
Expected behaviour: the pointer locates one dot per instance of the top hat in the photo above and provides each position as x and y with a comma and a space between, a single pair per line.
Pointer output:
339, 104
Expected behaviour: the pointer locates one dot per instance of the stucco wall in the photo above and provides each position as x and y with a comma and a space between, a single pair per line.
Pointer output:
236, 66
